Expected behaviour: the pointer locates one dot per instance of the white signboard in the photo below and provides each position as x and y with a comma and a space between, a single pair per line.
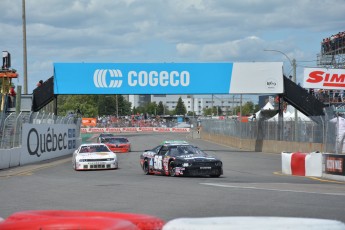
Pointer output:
47, 141
322, 78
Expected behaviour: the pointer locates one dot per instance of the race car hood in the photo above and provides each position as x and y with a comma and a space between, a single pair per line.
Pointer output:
95, 155
196, 157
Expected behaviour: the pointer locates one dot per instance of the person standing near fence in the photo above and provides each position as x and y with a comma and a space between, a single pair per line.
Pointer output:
12, 95
340, 133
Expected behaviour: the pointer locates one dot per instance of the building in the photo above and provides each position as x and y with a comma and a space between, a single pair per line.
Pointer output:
193, 103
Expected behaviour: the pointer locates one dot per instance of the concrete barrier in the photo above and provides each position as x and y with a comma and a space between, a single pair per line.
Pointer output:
5, 157
41, 142
302, 164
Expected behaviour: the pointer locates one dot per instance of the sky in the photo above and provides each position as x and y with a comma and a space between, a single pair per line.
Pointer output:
160, 31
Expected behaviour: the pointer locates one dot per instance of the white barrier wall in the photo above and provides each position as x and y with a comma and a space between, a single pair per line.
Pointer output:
286, 163
46, 141
313, 164
41, 142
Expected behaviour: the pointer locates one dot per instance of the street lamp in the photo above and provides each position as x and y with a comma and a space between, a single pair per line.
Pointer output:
25, 69
293, 64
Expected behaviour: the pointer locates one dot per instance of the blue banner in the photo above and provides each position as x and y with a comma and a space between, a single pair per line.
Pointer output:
142, 78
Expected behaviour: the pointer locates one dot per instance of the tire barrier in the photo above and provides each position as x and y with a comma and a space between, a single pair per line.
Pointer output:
140, 221
84, 223
302, 164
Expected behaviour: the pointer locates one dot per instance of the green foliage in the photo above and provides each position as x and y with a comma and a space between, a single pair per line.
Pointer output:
151, 108
247, 109
160, 108
87, 104
93, 105
207, 111
180, 107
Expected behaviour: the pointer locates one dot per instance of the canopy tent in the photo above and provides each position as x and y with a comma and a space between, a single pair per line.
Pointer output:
289, 115
286, 114
268, 106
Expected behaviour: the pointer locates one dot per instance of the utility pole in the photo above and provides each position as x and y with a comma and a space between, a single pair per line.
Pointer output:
25, 69
296, 111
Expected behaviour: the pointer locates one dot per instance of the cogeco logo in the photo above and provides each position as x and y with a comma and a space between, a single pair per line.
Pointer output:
154, 78
39, 143
141, 78
99, 78
328, 79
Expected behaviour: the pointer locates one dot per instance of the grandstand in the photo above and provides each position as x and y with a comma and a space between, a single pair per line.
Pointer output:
332, 52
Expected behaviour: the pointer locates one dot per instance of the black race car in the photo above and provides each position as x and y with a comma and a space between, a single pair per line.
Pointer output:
179, 158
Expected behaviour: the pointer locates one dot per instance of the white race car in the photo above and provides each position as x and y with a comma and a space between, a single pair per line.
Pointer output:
94, 156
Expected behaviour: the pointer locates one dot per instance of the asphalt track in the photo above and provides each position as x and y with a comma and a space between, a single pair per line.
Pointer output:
252, 185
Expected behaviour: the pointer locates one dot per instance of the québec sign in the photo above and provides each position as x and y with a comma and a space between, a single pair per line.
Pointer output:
321, 78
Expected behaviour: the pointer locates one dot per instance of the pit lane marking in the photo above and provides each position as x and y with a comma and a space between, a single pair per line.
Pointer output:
269, 189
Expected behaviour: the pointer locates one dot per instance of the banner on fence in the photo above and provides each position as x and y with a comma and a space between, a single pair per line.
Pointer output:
334, 164
135, 130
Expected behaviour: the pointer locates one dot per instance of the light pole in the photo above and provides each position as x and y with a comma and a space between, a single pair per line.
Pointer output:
294, 66
25, 69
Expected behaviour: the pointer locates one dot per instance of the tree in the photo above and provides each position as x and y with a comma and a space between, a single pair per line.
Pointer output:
93, 105
180, 107
124, 106
151, 108
247, 109
160, 108
87, 104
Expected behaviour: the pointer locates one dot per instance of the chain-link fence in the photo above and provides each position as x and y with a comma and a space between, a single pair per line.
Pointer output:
11, 126
325, 130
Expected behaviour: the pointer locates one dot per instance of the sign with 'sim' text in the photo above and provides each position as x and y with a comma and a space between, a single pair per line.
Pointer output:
168, 78
323, 78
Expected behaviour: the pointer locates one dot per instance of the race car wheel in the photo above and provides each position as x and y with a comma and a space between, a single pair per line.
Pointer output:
146, 167
75, 166
172, 168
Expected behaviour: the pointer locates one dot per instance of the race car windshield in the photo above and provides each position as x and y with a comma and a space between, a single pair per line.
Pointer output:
184, 150
94, 148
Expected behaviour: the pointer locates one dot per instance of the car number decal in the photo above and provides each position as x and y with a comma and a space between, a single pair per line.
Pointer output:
158, 162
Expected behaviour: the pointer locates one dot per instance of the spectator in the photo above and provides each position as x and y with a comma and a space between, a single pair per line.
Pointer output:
39, 83
12, 94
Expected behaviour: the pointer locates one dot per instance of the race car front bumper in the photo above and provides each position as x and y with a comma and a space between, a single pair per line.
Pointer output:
199, 171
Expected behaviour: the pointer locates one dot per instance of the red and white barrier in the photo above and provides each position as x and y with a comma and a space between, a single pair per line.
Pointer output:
302, 164
77, 219
135, 130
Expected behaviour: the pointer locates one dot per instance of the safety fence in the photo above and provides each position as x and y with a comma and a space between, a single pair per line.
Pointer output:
11, 125
326, 130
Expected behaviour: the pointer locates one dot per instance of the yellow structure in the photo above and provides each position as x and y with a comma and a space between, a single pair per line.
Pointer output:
6, 76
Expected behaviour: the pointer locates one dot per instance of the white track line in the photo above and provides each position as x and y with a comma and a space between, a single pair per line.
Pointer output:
268, 189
